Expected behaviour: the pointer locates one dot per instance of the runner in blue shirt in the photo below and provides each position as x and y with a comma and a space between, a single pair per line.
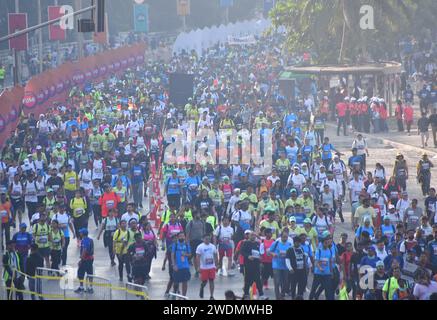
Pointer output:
280, 272
324, 264
180, 254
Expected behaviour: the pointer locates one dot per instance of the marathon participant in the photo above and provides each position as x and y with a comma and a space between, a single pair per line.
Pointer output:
223, 235
424, 173
297, 263
206, 259
66, 225
278, 251
86, 261
108, 228
180, 255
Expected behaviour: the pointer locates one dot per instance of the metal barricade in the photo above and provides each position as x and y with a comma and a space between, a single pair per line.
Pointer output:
175, 296
136, 292
97, 288
51, 283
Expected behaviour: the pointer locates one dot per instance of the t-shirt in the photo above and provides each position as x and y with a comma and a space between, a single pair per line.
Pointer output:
325, 256
362, 213
207, 253
63, 219
422, 292
127, 217
280, 249
179, 249
224, 235
393, 287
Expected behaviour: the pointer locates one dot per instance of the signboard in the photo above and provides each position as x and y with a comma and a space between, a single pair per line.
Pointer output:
226, 3
17, 22
241, 41
56, 33
183, 7
141, 18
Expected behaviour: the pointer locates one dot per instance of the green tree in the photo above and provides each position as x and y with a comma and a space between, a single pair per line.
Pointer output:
331, 28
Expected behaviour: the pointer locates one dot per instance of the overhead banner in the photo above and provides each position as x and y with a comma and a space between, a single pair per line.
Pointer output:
55, 31
241, 41
226, 3
54, 85
183, 7
17, 22
141, 18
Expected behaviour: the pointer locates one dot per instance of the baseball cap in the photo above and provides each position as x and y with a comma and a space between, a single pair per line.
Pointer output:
106, 130
58, 145
307, 220
380, 264
248, 232
49, 190
390, 206
306, 190
293, 190
84, 231
38, 148
23, 225
292, 219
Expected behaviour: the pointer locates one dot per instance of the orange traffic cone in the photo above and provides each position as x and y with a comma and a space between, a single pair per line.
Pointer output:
254, 293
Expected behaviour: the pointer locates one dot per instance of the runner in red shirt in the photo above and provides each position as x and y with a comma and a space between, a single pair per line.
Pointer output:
109, 200
408, 117
341, 109
266, 259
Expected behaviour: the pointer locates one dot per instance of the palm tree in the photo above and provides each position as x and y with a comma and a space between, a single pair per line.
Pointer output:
318, 21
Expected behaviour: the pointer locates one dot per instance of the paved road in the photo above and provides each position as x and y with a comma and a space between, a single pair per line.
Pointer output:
379, 150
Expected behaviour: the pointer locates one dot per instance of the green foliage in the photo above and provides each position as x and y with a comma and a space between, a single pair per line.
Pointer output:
317, 25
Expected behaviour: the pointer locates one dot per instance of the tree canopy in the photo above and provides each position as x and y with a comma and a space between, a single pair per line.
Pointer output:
331, 28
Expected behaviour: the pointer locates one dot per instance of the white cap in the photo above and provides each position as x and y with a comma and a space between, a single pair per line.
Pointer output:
38, 148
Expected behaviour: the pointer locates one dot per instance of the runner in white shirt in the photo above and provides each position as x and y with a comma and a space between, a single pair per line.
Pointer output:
356, 185
86, 178
223, 239
206, 260
402, 205
296, 179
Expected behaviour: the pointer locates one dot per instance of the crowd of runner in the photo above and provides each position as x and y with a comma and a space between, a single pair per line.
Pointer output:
86, 163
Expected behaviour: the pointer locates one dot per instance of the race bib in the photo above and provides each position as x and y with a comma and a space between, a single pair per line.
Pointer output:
72, 180
4, 214
139, 252
255, 253
110, 204
42, 239
79, 211
209, 261
137, 172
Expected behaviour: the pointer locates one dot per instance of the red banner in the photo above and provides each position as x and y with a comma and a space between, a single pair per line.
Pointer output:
55, 31
17, 22
54, 85
10, 102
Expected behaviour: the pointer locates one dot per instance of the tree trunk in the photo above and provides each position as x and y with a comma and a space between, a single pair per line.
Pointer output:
340, 57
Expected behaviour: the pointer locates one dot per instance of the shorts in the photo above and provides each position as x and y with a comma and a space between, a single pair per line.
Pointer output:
182, 275
139, 271
207, 274
44, 252
225, 252
86, 266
